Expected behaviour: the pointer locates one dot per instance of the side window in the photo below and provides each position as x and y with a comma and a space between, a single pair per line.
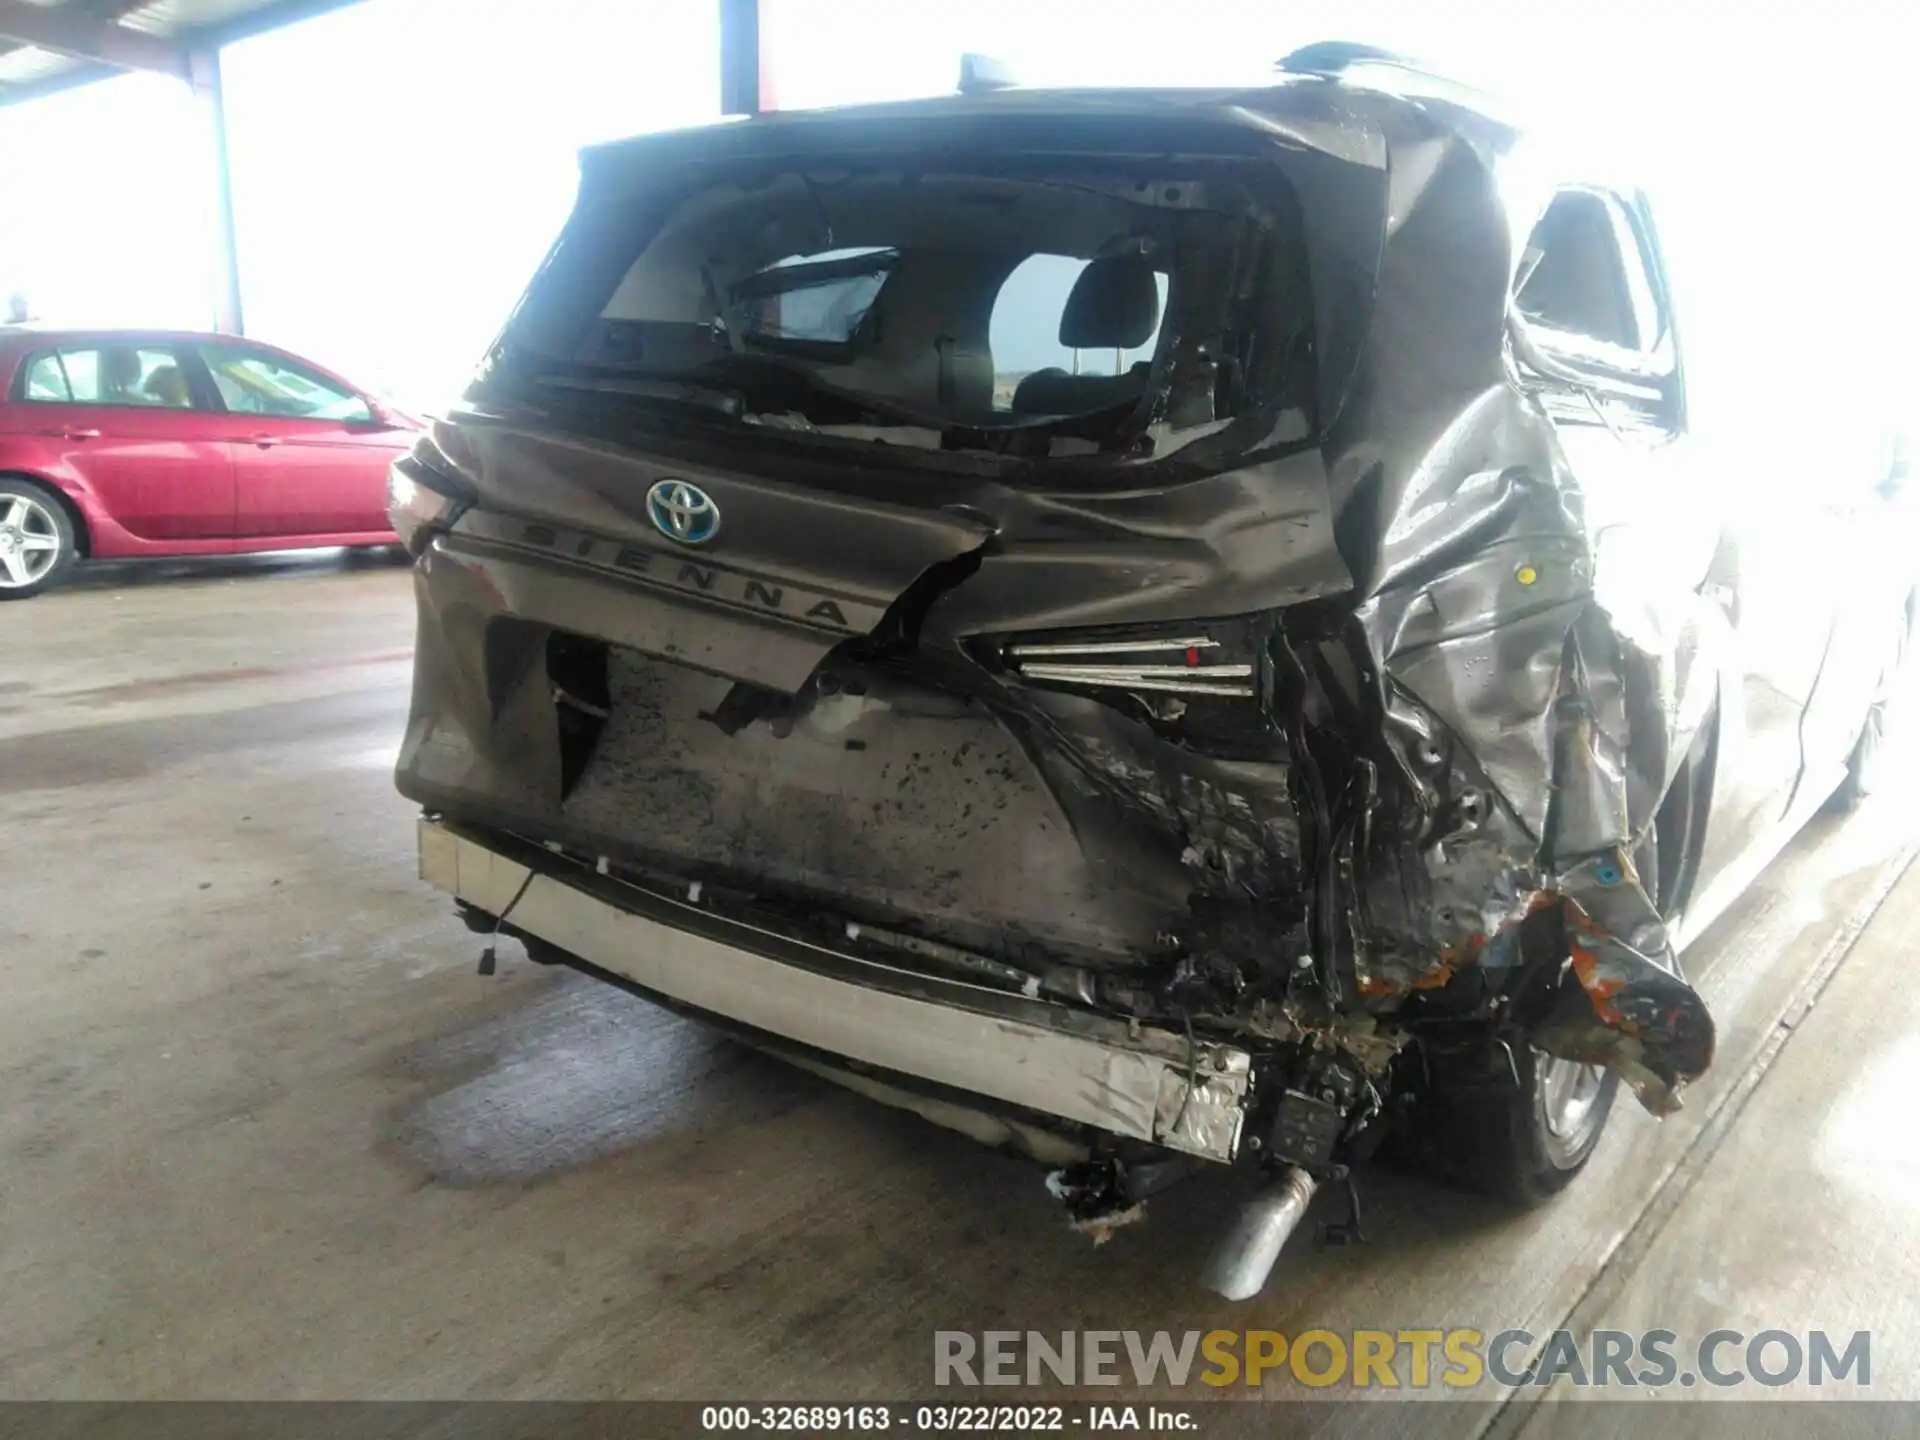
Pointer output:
1024, 329
147, 377
1578, 281
252, 382
1594, 325
44, 380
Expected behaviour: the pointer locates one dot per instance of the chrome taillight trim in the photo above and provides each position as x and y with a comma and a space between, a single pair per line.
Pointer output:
1226, 680
1141, 672
1177, 687
1112, 647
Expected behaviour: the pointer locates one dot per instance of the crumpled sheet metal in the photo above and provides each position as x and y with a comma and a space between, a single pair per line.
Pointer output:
1615, 747
1652, 1027
1487, 618
1480, 575
1572, 701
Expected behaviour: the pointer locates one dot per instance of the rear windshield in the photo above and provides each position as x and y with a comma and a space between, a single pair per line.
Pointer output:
1035, 309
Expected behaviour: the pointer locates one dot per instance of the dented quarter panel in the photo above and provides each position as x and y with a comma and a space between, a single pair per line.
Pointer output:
1573, 691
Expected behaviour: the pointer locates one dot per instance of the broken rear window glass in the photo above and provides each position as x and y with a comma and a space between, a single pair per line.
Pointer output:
1096, 308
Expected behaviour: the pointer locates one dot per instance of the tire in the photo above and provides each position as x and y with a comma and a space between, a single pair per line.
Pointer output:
1520, 1131
1516, 1123
38, 546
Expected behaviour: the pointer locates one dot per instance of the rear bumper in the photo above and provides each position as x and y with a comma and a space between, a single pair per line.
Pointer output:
1136, 1082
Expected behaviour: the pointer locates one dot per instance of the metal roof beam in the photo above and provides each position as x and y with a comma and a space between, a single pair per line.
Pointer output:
65, 30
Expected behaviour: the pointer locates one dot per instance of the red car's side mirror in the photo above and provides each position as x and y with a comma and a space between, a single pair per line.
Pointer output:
379, 416
388, 416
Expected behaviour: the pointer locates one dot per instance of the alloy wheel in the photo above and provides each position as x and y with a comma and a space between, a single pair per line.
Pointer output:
1569, 1099
29, 541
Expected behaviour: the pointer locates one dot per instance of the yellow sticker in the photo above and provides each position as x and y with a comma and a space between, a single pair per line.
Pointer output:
1526, 575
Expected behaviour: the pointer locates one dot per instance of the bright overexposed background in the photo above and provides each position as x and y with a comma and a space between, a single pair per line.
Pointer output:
104, 214
400, 166
1776, 139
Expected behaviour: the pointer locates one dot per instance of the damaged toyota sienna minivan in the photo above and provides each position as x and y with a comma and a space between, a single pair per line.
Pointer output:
1157, 628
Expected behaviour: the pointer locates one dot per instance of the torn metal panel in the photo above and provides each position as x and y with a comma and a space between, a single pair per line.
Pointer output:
1504, 678
1641, 1017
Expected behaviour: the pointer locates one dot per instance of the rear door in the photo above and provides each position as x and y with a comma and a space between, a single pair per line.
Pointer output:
128, 420
309, 456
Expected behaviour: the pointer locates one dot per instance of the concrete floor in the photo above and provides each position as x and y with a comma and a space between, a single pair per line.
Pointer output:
264, 1133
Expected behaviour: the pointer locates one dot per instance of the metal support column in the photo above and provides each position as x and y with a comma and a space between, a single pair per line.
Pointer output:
203, 69
743, 81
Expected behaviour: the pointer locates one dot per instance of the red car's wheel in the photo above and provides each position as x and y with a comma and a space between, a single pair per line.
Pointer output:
37, 546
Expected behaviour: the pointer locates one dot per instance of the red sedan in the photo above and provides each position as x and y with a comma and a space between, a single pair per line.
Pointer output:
116, 443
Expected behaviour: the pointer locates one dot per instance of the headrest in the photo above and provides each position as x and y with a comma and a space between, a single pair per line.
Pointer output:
168, 385
1114, 305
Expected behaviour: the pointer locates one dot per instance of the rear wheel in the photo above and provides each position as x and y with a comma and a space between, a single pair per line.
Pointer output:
1518, 1123
37, 545
1573, 1102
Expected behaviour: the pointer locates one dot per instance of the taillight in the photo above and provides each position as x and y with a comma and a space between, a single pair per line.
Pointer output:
1200, 682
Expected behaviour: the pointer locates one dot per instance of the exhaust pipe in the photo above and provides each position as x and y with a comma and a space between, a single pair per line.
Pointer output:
1246, 1254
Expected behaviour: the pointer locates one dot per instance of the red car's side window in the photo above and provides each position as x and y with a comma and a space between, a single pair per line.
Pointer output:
43, 379
148, 377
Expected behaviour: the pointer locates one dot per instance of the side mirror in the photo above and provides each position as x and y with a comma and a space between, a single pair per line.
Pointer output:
379, 417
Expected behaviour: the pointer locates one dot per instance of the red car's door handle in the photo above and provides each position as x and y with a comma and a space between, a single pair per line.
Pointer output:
264, 441
73, 433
